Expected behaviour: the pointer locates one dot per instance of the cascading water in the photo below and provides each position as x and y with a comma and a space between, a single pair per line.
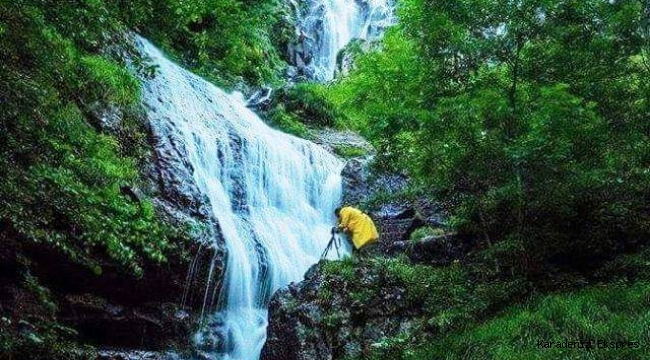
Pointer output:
327, 26
272, 194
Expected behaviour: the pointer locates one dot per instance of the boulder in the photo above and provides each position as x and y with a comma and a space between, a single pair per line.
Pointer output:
436, 250
305, 324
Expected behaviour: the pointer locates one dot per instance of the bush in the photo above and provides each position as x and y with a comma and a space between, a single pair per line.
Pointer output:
309, 102
280, 119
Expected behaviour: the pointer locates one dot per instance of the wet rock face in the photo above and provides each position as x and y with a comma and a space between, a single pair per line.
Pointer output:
172, 180
325, 317
294, 331
396, 219
170, 183
155, 326
307, 325
113, 309
107, 118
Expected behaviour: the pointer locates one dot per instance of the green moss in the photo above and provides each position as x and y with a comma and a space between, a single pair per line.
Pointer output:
348, 151
325, 294
280, 119
342, 269
426, 231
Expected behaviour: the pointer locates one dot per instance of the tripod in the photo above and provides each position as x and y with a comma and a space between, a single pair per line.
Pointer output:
334, 241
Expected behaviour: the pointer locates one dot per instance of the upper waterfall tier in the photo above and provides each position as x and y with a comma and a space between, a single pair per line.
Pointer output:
327, 26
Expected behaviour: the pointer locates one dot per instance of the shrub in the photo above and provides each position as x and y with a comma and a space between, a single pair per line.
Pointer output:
282, 120
62, 181
309, 102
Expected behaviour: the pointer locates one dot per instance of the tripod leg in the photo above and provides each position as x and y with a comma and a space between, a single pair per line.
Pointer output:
336, 245
327, 248
322, 256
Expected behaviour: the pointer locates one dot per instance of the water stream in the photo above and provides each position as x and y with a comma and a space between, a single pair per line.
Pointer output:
272, 194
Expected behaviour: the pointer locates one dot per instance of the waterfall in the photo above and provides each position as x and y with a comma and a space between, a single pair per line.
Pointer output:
327, 26
272, 194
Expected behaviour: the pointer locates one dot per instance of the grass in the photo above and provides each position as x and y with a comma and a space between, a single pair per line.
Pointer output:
287, 122
612, 313
465, 311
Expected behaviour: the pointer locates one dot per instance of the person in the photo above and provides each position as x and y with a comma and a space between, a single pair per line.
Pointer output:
359, 225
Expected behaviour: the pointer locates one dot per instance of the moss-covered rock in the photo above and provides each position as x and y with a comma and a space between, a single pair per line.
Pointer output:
350, 308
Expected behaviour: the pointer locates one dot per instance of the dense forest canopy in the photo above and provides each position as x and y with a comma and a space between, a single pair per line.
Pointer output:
531, 115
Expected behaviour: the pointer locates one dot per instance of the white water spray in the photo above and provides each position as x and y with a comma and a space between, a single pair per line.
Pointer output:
272, 194
329, 25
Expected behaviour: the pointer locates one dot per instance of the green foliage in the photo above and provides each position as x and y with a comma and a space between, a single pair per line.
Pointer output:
62, 181
309, 102
531, 116
426, 231
445, 299
379, 97
295, 109
223, 40
108, 82
615, 313
279, 118
349, 151
468, 314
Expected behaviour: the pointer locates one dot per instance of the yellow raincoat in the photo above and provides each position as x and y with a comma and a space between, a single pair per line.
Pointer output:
359, 225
